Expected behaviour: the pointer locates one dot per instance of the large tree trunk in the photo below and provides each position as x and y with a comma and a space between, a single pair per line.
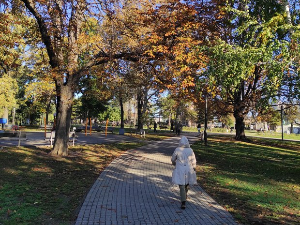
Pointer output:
65, 96
239, 125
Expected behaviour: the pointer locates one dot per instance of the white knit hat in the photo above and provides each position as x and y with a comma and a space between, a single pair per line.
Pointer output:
184, 142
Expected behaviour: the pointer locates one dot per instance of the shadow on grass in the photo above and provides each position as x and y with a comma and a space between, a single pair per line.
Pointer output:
36, 188
258, 183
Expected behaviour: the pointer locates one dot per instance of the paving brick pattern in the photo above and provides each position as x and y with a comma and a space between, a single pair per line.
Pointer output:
136, 188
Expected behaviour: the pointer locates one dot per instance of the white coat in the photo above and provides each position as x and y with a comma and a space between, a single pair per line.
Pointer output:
185, 162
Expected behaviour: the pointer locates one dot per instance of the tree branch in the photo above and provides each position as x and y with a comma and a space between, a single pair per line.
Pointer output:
44, 32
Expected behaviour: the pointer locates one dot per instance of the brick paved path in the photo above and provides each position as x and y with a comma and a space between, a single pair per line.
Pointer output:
136, 188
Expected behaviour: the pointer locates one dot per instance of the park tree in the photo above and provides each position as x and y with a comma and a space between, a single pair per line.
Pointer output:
168, 107
181, 28
143, 86
74, 45
42, 96
12, 56
8, 91
246, 70
290, 87
292, 113
39, 87
177, 31
112, 113
94, 92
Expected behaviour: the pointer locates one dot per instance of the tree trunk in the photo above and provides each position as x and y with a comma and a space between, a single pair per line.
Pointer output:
140, 108
239, 126
65, 96
13, 116
122, 112
205, 122
47, 112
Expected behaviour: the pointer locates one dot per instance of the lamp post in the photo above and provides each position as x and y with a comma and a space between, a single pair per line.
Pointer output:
281, 117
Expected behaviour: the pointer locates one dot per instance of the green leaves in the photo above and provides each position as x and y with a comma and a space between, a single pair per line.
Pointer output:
256, 57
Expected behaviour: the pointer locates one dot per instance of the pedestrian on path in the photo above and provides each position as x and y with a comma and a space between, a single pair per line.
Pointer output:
199, 128
155, 127
185, 164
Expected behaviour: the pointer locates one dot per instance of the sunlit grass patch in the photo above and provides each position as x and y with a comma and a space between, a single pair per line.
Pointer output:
256, 182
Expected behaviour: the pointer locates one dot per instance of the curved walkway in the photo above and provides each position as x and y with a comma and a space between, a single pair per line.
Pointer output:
136, 188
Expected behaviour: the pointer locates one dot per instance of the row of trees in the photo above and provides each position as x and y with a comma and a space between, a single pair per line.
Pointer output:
239, 55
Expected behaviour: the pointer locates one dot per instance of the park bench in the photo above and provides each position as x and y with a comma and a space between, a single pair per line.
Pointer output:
48, 127
260, 131
103, 129
141, 132
109, 129
13, 135
95, 128
163, 127
51, 135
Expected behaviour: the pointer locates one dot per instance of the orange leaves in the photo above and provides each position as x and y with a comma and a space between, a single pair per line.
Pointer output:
42, 1
188, 82
174, 41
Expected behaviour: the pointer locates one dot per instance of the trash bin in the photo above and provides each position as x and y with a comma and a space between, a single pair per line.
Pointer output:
3, 121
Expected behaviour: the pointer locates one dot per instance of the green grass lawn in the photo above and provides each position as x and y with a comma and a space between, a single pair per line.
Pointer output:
254, 133
36, 188
270, 134
257, 181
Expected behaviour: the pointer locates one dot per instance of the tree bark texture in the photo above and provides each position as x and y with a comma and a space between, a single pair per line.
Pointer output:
239, 125
62, 49
140, 109
63, 120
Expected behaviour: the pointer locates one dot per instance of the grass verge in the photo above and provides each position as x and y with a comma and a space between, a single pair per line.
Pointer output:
257, 181
36, 188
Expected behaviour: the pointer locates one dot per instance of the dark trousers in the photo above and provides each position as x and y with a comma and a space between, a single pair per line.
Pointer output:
183, 192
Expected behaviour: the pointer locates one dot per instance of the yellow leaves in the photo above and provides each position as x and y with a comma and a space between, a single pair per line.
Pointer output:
8, 91
161, 48
154, 38
269, 29
38, 90
170, 33
184, 68
88, 42
150, 53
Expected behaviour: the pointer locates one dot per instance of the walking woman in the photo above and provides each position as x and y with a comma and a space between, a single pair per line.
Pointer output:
185, 164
